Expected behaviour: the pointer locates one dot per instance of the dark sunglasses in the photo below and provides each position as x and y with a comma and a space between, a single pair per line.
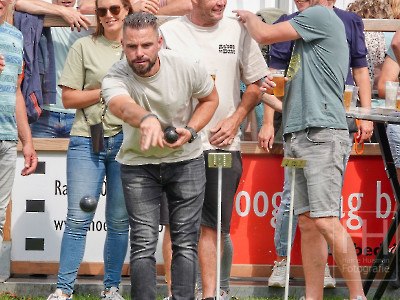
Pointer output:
114, 9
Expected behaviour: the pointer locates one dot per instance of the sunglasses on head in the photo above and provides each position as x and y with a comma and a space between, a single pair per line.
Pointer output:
114, 9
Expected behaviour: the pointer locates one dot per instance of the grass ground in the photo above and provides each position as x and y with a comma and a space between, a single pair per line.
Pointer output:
8, 296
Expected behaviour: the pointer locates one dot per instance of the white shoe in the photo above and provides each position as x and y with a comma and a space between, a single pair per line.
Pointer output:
58, 295
168, 298
112, 294
329, 281
278, 276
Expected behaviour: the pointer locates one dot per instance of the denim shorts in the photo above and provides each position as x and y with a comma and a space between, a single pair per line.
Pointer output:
393, 134
318, 185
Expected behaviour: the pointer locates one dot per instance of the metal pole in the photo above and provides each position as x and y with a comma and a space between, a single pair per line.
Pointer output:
289, 239
219, 232
219, 160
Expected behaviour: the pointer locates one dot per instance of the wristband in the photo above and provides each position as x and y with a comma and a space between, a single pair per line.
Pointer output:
147, 116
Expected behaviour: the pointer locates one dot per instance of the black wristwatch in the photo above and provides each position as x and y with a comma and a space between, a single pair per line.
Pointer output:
193, 132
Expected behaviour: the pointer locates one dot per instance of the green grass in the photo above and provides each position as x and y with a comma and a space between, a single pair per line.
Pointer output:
90, 297
9, 296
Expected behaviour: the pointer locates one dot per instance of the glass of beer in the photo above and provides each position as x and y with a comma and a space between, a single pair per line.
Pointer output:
391, 88
279, 79
398, 100
347, 97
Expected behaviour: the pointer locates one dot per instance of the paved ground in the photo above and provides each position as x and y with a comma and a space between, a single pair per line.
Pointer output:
31, 286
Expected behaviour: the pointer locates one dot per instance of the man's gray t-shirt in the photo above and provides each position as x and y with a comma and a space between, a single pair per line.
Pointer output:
317, 72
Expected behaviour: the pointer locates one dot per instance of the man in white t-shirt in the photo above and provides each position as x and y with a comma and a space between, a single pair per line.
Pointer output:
150, 91
230, 55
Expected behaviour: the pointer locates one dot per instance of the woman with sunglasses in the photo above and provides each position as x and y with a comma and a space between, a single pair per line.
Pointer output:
96, 137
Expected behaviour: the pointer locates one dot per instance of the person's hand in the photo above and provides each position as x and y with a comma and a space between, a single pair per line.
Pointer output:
184, 136
147, 6
2, 63
74, 18
242, 15
365, 129
151, 133
30, 159
267, 85
224, 132
266, 137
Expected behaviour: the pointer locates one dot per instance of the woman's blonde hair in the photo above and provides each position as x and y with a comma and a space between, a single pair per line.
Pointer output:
395, 4
372, 9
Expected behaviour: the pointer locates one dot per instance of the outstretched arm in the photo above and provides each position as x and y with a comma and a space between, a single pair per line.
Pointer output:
40, 7
266, 34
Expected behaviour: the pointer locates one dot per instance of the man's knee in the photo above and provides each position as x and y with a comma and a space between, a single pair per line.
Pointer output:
306, 223
327, 225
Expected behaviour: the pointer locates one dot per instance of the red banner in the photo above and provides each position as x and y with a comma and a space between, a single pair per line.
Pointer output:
368, 207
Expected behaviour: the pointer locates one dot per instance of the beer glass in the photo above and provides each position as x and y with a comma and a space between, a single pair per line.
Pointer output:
391, 88
347, 97
279, 79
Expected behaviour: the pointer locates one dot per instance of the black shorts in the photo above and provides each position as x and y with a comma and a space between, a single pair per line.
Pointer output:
230, 182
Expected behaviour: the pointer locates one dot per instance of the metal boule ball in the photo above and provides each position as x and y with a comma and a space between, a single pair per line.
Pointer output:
170, 134
88, 203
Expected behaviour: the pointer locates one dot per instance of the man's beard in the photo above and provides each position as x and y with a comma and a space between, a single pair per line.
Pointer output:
142, 70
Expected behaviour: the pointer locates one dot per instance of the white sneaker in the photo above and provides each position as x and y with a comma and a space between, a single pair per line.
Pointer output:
278, 275
168, 298
58, 295
224, 295
329, 281
112, 294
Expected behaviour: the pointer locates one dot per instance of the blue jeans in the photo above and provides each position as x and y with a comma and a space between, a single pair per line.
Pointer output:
85, 175
52, 125
282, 217
184, 184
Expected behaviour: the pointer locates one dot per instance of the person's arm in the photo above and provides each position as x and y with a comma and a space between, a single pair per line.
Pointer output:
72, 98
24, 133
361, 78
266, 34
390, 72
225, 130
176, 8
396, 44
40, 7
87, 7
125, 108
267, 132
2, 63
